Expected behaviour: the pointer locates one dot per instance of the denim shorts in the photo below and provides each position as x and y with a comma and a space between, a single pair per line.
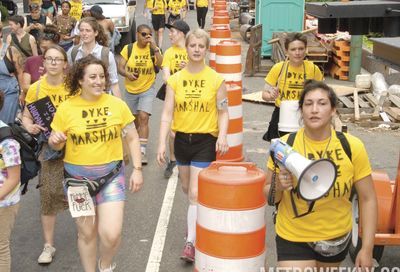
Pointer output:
142, 101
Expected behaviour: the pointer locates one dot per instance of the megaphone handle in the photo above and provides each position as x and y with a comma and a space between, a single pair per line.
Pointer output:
281, 167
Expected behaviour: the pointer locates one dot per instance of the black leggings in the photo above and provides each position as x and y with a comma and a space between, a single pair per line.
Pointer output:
201, 16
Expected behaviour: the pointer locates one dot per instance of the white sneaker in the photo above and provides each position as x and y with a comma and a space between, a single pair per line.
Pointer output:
47, 254
108, 269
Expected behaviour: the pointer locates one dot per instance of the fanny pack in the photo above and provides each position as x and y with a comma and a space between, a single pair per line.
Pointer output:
93, 185
328, 248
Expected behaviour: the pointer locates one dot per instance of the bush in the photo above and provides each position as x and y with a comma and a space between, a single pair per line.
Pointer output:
4, 13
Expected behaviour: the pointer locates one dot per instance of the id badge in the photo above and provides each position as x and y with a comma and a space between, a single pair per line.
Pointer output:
80, 202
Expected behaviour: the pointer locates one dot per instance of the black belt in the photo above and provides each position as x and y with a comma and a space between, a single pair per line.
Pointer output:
102, 179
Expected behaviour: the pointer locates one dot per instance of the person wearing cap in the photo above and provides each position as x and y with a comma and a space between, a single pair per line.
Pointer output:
97, 12
35, 22
158, 9
174, 60
138, 64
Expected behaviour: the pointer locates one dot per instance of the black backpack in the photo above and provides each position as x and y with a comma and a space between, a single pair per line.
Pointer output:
29, 152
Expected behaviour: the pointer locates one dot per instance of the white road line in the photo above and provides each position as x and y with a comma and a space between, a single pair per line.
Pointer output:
153, 264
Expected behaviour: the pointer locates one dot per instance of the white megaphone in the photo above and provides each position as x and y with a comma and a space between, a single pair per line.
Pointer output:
315, 178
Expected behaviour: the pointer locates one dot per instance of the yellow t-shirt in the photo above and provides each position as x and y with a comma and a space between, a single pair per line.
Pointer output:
161, 5
76, 10
173, 58
175, 6
141, 62
149, 3
195, 108
202, 3
331, 216
93, 129
291, 79
57, 94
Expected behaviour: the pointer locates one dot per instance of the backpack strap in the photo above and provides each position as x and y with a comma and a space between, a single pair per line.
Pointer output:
105, 52
290, 139
153, 59
345, 144
130, 46
38, 89
5, 132
74, 52
18, 45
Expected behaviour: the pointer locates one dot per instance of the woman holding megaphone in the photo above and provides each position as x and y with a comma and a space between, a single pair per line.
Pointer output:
317, 233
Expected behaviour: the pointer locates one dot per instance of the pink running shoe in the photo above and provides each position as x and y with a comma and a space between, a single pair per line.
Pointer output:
188, 253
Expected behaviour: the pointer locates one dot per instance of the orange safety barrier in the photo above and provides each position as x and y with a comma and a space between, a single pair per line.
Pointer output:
220, 20
217, 33
228, 61
230, 231
219, 6
221, 13
235, 125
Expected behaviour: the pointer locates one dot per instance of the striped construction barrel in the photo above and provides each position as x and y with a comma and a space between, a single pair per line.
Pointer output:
217, 33
220, 6
230, 230
220, 20
235, 125
221, 13
228, 61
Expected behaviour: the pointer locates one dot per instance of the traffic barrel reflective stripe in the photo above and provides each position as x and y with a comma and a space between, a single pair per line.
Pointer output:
219, 6
234, 93
218, 33
228, 61
230, 231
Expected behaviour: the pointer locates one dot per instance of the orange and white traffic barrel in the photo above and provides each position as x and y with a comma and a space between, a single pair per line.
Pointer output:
220, 20
220, 6
217, 33
235, 125
228, 61
221, 13
230, 230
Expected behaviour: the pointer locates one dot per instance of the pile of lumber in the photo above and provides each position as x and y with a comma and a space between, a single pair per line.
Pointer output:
341, 60
363, 107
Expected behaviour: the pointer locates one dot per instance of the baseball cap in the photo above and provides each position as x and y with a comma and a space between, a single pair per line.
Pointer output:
179, 25
96, 9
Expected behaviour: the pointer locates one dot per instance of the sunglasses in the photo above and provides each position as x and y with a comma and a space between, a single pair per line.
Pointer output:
145, 34
33, 6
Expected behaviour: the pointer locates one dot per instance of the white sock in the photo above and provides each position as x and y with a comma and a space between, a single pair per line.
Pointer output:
191, 223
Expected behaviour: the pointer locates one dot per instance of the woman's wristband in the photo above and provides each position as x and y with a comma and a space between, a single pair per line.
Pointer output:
139, 168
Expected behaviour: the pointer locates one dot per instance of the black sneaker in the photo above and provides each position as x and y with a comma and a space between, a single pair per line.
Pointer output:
169, 169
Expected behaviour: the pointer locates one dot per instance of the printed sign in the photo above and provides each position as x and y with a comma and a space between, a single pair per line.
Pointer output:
80, 202
43, 111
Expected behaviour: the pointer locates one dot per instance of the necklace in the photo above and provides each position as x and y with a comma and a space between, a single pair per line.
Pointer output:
326, 148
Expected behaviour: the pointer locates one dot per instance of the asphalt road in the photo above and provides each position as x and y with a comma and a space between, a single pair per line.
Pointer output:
142, 210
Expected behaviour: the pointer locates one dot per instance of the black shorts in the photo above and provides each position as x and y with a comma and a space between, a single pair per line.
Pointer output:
194, 147
158, 21
299, 251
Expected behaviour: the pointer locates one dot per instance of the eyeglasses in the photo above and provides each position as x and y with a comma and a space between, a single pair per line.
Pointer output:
145, 34
50, 36
51, 60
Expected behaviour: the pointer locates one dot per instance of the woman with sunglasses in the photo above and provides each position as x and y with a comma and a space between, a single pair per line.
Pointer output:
138, 67
286, 79
10, 75
52, 173
34, 66
78, 125
328, 218
196, 106
94, 41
